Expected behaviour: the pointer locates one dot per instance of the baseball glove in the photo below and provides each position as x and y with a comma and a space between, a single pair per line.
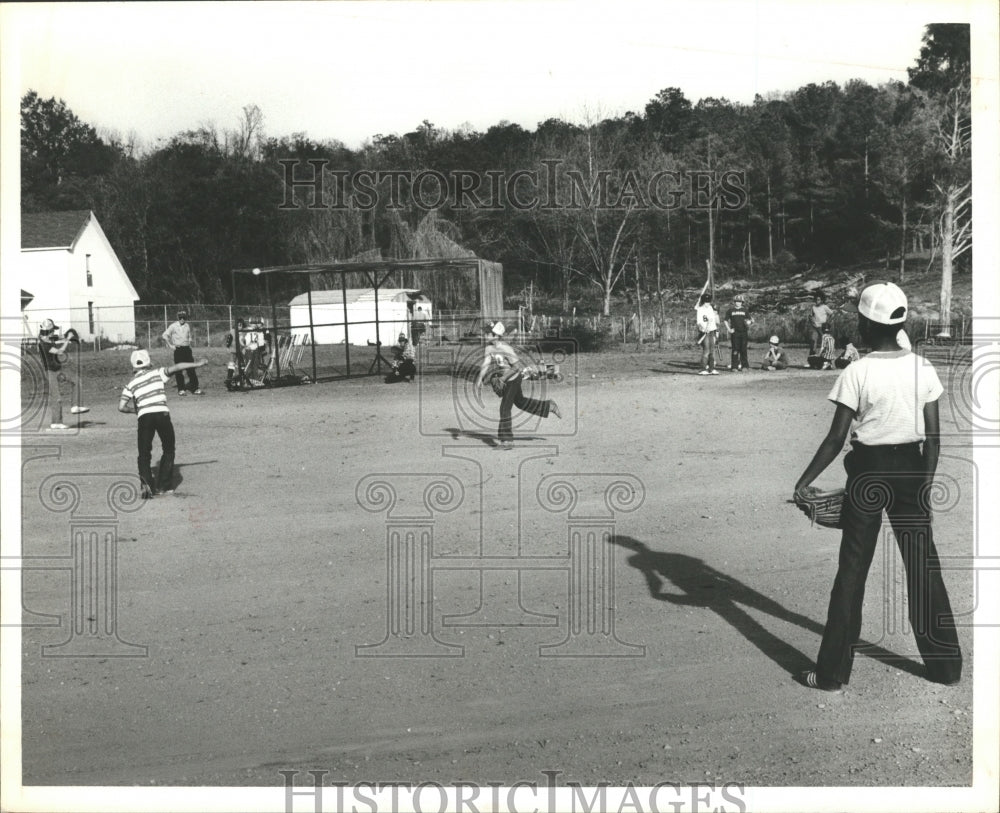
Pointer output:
822, 507
496, 382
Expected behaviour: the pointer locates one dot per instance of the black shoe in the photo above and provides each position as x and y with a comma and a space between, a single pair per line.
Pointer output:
814, 681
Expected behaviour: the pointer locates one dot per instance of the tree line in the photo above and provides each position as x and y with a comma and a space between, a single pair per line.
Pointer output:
824, 175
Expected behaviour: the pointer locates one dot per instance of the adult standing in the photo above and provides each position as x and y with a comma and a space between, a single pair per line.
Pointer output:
420, 321
52, 347
820, 318
178, 339
738, 322
505, 370
708, 323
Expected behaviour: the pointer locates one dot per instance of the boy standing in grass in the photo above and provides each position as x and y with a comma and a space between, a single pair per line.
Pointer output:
150, 404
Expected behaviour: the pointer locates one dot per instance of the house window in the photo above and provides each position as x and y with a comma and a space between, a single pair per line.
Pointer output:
90, 277
90, 317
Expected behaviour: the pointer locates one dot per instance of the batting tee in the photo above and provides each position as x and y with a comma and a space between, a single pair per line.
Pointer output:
273, 287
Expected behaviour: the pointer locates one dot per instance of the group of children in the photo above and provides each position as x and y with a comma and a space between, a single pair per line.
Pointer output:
822, 353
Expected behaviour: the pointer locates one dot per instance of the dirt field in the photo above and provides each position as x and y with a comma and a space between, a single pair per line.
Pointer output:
254, 585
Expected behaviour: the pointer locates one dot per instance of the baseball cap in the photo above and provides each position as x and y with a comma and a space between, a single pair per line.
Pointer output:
140, 359
774, 340
884, 303
47, 324
498, 329
402, 336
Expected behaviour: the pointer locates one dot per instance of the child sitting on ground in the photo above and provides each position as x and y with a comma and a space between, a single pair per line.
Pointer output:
775, 358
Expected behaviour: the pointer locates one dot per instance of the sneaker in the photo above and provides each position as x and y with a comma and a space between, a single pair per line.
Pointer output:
79, 410
196, 392
739, 369
58, 426
703, 372
814, 681
182, 392
507, 445
714, 372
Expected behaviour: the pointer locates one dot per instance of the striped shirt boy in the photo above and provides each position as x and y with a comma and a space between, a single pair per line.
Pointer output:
146, 388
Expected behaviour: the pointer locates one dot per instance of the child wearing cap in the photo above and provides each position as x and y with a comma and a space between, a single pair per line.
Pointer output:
737, 323
404, 361
891, 397
53, 347
145, 396
775, 358
178, 338
505, 370
708, 324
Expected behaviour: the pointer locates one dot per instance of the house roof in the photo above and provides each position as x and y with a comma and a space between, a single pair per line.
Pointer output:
52, 229
335, 297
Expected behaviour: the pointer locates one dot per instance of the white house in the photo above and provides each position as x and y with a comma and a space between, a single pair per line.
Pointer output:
70, 273
396, 310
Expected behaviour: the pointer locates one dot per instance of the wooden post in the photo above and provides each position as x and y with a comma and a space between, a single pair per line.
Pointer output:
638, 300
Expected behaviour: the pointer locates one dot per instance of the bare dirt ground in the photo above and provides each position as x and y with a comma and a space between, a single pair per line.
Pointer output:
253, 586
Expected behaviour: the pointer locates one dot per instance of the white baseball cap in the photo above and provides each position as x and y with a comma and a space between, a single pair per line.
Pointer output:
774, 340
140, 359
883, 303
498, 329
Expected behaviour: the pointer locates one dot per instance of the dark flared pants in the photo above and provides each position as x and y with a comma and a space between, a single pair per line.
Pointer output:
738, 355
889, 478
513, 397
182, 354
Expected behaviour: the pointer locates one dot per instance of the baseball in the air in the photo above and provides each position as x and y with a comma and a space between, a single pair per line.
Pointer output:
256, 271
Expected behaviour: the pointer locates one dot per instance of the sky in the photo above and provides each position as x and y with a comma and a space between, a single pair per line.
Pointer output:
348, 71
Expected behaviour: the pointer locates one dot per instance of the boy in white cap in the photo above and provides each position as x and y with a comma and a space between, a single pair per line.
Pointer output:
775, 358
504, 369
891, 398
145, 396
53, 346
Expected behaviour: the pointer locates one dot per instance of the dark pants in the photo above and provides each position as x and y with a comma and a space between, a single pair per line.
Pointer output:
738, 342
402, 371
182, 354
890, 478
513, 397
150, 424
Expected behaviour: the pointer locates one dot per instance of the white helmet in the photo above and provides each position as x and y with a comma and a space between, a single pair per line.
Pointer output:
499, 329
140, 359
774, 340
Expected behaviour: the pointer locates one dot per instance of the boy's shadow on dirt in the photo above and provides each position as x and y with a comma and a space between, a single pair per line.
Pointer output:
178, 478
687, 581
456, 434
489, 440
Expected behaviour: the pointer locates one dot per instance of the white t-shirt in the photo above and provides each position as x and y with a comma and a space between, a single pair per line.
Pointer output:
888, 391
707, 317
